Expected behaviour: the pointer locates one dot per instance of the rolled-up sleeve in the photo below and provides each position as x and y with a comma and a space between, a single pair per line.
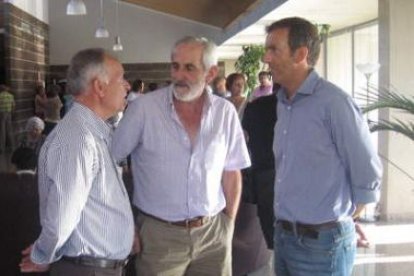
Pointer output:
354, 144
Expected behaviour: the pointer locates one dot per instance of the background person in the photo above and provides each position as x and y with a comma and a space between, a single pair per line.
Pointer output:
52, 107
266, 86
7, 106
236, 84
137, 89
34, 137
219, 87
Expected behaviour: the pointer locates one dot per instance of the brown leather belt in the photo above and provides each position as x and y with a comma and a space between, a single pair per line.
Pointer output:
96, 262
307, 230
187, 223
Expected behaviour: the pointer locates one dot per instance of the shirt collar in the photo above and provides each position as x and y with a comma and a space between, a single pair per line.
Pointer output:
307, 87
95, 124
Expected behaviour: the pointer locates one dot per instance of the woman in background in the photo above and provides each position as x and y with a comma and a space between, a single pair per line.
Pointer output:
236, 83
34, 137
52, 108
40, 100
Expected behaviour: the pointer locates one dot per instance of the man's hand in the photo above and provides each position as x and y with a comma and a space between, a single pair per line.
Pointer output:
26, 265
358, 211
136, 245
231, 183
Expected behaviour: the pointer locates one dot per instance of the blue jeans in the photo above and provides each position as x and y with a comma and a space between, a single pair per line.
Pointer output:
332, 252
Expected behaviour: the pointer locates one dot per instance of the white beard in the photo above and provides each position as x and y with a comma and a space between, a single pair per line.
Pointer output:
193, 94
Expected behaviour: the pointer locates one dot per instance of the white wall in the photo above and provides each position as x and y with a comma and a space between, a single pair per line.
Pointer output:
37, 8
397, 58
147, 36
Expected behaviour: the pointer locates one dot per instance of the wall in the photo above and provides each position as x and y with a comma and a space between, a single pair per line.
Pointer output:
25, 44
396, 58
147, 36
36, 8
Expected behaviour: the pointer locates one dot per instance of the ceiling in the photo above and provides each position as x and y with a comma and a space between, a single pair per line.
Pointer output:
222, 14
339, 14
217, 13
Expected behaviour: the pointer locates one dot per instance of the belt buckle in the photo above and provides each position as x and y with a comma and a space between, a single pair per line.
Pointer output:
194, 222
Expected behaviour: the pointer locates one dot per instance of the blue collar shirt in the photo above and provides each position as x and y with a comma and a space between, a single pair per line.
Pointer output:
325, 161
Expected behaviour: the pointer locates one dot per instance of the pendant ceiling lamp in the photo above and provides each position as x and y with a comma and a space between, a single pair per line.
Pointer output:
117, 46
76, 7
101, 31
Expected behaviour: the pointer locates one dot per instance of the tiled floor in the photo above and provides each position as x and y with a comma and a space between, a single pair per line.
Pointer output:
391, 251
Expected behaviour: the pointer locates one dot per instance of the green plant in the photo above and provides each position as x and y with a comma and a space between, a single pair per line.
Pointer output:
249, 63
389, 98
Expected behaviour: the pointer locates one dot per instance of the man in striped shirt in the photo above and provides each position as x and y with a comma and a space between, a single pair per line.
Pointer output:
87, 223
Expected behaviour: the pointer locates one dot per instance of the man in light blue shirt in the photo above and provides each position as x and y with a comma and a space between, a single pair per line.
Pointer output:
327, 168
187, 148
86, 218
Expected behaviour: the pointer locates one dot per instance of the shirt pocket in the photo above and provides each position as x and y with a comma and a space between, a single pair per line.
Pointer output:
215, 154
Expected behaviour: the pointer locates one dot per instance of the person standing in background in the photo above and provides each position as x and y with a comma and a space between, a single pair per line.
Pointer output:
7, 106
266, 86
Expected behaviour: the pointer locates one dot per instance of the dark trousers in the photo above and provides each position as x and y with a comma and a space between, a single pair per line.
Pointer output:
65, 268
263, 187
6, 131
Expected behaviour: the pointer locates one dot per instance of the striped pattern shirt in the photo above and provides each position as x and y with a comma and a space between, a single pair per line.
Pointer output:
173, 179
84, 207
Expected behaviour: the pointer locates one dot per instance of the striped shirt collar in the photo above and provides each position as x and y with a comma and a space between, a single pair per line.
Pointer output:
99, 127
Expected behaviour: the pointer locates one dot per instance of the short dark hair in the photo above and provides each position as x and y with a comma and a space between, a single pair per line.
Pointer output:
265, 74
152, 86
53, 90
301, 33
137, 85
232, 78
24, 158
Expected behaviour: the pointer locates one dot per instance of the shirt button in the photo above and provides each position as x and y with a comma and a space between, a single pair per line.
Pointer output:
284, 156
279, 180
285, 132
289, 108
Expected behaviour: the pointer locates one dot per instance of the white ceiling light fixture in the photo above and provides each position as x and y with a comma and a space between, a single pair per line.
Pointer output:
117, 46
75, 7
101, 31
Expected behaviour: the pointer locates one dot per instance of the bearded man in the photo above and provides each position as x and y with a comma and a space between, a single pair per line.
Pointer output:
187, 149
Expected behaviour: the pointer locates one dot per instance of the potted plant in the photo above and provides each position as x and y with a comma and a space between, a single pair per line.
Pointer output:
389, 98
249, 63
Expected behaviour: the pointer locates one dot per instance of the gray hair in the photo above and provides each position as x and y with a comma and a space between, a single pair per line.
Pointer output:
84, 66
210, 57
34, 123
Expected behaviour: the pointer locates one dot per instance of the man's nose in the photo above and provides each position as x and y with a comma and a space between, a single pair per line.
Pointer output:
127, 85
265, 57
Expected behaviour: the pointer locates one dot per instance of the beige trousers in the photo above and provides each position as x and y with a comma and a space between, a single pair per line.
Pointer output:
169, 250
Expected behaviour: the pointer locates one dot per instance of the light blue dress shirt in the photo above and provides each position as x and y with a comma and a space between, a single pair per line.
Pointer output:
174, 180
325, 160
84, 207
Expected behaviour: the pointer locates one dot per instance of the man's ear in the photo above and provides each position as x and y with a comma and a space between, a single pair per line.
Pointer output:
212, 73
301, 54
98, 87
